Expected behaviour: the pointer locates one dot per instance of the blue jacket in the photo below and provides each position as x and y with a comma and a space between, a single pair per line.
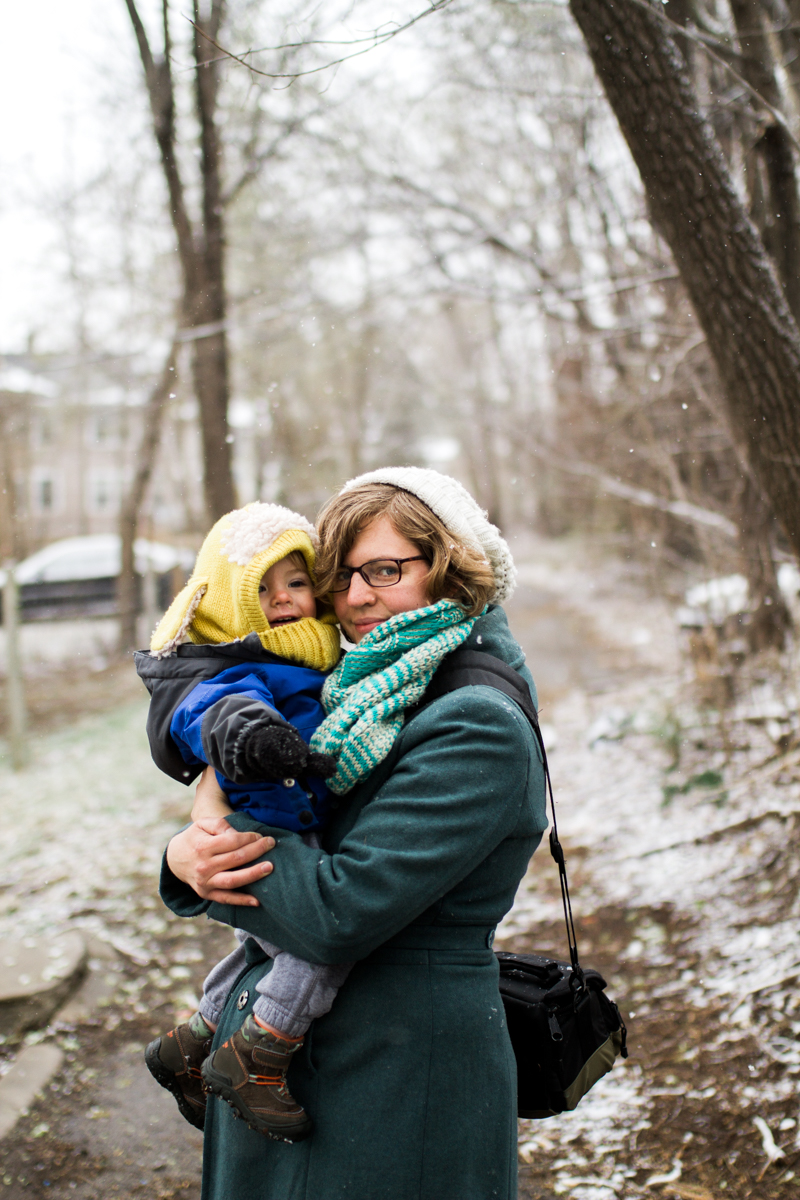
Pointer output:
205, 698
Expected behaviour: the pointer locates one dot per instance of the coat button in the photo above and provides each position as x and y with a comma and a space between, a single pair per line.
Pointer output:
306, 817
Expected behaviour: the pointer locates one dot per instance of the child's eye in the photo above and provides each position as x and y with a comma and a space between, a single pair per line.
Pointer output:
261, 588
300, 583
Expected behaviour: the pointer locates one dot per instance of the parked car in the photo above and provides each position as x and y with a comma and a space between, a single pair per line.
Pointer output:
77, 577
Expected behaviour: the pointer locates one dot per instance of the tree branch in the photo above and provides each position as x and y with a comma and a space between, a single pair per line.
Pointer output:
705, 41
160, 91
205, 106
601, 287
681, 509
258, 160
375, 39
144, 46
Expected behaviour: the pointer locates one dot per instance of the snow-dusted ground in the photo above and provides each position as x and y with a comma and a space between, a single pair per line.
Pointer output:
83, 828
44, 644
86, 643
709, 851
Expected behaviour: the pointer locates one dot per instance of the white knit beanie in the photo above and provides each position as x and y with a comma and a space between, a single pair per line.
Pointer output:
458, 511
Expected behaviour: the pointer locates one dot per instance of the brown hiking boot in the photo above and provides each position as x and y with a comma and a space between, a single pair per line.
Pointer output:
249, 1072
174, 1061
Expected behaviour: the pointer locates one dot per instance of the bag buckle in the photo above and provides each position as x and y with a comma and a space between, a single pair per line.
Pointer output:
555, 848
554, 1027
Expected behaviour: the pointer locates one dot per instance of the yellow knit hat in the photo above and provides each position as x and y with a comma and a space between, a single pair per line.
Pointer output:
220, 602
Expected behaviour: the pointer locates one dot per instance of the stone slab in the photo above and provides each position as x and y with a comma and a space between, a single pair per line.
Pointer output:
36, 976
32, 1070
98, 986
95, 992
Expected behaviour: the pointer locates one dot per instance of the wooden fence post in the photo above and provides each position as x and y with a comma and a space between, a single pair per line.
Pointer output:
15, 692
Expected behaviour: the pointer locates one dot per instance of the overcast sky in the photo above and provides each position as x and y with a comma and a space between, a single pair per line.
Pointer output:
56, 65
47, 85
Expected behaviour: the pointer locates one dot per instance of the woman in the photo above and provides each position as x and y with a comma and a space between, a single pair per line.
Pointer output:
410, 1078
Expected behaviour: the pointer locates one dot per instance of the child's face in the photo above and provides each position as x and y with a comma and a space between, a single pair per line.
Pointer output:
285, 594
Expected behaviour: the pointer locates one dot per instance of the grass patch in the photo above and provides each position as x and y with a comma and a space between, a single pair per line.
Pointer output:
706, 780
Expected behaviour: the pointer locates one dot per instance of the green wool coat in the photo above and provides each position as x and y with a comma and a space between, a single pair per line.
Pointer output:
410, 1078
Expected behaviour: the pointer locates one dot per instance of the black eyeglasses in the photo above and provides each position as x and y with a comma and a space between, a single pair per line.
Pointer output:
378, 573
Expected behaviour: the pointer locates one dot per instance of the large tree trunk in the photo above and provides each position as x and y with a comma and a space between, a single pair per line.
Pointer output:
723, 264
775, 209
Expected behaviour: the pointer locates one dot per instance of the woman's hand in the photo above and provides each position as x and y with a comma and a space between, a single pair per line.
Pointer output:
212, 857
209, 799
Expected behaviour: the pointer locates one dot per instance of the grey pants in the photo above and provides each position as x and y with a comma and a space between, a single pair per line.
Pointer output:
290, 996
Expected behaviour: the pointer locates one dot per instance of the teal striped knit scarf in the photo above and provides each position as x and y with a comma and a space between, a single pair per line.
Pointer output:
367, 694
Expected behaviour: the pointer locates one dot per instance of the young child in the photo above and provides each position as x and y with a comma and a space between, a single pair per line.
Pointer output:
235, 672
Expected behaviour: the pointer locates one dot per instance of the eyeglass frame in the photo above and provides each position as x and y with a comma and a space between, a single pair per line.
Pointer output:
360, 571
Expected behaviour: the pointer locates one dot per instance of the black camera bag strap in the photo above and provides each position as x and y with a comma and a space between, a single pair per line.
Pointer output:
565, 1032
465, 668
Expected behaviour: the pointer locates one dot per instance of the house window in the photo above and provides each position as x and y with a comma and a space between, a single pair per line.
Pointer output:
103, 493
45, 431
45, 494
106, 427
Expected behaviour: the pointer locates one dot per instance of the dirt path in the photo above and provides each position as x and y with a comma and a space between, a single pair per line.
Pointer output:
682, 834
662, 924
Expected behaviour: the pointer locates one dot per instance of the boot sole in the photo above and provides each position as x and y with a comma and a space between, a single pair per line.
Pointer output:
220, 1086
169, 1080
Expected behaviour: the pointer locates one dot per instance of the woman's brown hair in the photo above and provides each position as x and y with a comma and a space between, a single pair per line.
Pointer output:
457, 572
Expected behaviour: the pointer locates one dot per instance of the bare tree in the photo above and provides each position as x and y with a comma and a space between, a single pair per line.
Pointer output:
200, 241
131, 506
724, 266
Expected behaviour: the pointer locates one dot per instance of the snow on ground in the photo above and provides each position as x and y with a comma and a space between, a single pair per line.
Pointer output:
702, 834
661, 803
45, 644
83, 829
83, 643
657, 835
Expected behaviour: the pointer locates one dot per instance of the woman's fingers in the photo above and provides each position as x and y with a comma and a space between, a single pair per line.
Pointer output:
237, 879
237, 860
220, 887
240, 899
199, 853
222, 838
